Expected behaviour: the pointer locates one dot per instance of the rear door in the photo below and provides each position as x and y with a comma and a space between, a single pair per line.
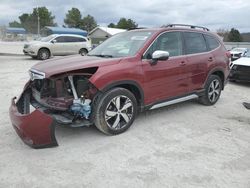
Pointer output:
166, 79
80, 43
71, 45
198, 59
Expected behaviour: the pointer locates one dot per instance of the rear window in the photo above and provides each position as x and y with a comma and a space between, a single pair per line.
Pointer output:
212, 42
194, 43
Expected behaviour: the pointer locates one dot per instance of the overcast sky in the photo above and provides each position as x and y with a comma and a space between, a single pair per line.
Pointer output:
213, 14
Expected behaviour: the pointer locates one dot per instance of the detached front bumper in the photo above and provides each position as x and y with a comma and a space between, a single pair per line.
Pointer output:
238, 75
36, 129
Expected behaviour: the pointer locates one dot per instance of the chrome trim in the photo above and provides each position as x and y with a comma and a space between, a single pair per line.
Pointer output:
36, 75
182, 99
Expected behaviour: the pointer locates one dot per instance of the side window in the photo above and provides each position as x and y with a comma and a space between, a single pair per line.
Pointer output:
194, 43
81, 39
170, 41
60, 39
212, 42
70, 39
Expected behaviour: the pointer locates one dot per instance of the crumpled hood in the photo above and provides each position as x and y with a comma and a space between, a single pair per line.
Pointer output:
71, 63
245, 61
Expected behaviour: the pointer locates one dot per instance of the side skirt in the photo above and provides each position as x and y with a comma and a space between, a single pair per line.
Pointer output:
174, 100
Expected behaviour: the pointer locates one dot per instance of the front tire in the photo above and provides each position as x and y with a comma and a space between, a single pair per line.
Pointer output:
43, 54
115, 111
213, 89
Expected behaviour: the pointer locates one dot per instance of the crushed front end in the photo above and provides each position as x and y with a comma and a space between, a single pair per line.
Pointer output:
63, 100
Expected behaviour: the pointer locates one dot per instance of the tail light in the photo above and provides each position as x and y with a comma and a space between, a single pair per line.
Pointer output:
228, 54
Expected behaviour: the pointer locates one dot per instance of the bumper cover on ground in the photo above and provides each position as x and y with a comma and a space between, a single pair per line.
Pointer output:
36, 129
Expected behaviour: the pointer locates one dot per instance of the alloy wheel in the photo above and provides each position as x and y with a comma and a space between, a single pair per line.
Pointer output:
119, 112
214, 90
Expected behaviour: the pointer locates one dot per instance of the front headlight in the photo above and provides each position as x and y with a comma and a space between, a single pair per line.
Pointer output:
234, 67
26, 46
36, 75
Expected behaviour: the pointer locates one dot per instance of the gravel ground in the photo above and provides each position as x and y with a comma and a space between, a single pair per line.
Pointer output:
13, 48
183, 145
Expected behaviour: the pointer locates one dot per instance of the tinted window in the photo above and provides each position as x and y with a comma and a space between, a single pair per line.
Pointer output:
194, 43
170, 42
212, 42
69, 39
60, 39
80, 39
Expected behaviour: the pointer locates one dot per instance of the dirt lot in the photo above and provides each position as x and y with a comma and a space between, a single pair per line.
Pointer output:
183, 145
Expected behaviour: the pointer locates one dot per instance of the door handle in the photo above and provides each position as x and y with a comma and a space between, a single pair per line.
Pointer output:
210, 59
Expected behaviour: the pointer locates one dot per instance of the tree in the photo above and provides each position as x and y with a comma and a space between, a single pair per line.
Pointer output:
15, 24
46, 17
126, 24
25, 21
73, 18
223, 33
30, 21
234, 36
112, 25
88, 23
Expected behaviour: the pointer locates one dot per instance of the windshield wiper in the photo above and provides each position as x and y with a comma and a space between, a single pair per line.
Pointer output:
101, 55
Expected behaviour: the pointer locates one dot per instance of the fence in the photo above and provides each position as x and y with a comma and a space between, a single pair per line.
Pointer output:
230, 45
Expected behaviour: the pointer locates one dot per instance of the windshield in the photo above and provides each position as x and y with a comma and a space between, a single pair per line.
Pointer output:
122, 45
47, 39
247, 54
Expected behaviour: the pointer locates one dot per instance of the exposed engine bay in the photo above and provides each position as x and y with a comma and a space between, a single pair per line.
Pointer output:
67, 98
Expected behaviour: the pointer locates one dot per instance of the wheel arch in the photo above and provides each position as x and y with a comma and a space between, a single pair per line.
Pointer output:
46, 48
219, 72
130, 85
83, 49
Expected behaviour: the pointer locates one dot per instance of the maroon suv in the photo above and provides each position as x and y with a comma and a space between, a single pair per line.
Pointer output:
133, 71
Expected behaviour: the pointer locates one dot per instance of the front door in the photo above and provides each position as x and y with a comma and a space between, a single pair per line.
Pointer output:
166, 79
58, 46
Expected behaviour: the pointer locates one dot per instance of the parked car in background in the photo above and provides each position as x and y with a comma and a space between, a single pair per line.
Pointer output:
133, 71
53, 45
240, 69
237, 53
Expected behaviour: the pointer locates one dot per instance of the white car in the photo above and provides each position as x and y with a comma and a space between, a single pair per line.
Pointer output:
240, 69
236, 53
63, 44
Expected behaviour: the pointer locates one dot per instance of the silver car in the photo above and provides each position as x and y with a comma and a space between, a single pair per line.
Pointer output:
57, 44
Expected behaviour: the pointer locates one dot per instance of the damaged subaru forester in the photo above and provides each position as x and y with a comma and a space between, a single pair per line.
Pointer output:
137, 70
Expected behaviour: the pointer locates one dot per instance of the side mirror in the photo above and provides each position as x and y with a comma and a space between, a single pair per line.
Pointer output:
159, 55
53, 41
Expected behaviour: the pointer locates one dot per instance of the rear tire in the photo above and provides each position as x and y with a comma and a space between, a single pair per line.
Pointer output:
213, 89
115, 111
43, 54
83, 52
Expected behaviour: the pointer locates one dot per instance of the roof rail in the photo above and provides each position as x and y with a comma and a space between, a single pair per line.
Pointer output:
133, 28
185, 25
